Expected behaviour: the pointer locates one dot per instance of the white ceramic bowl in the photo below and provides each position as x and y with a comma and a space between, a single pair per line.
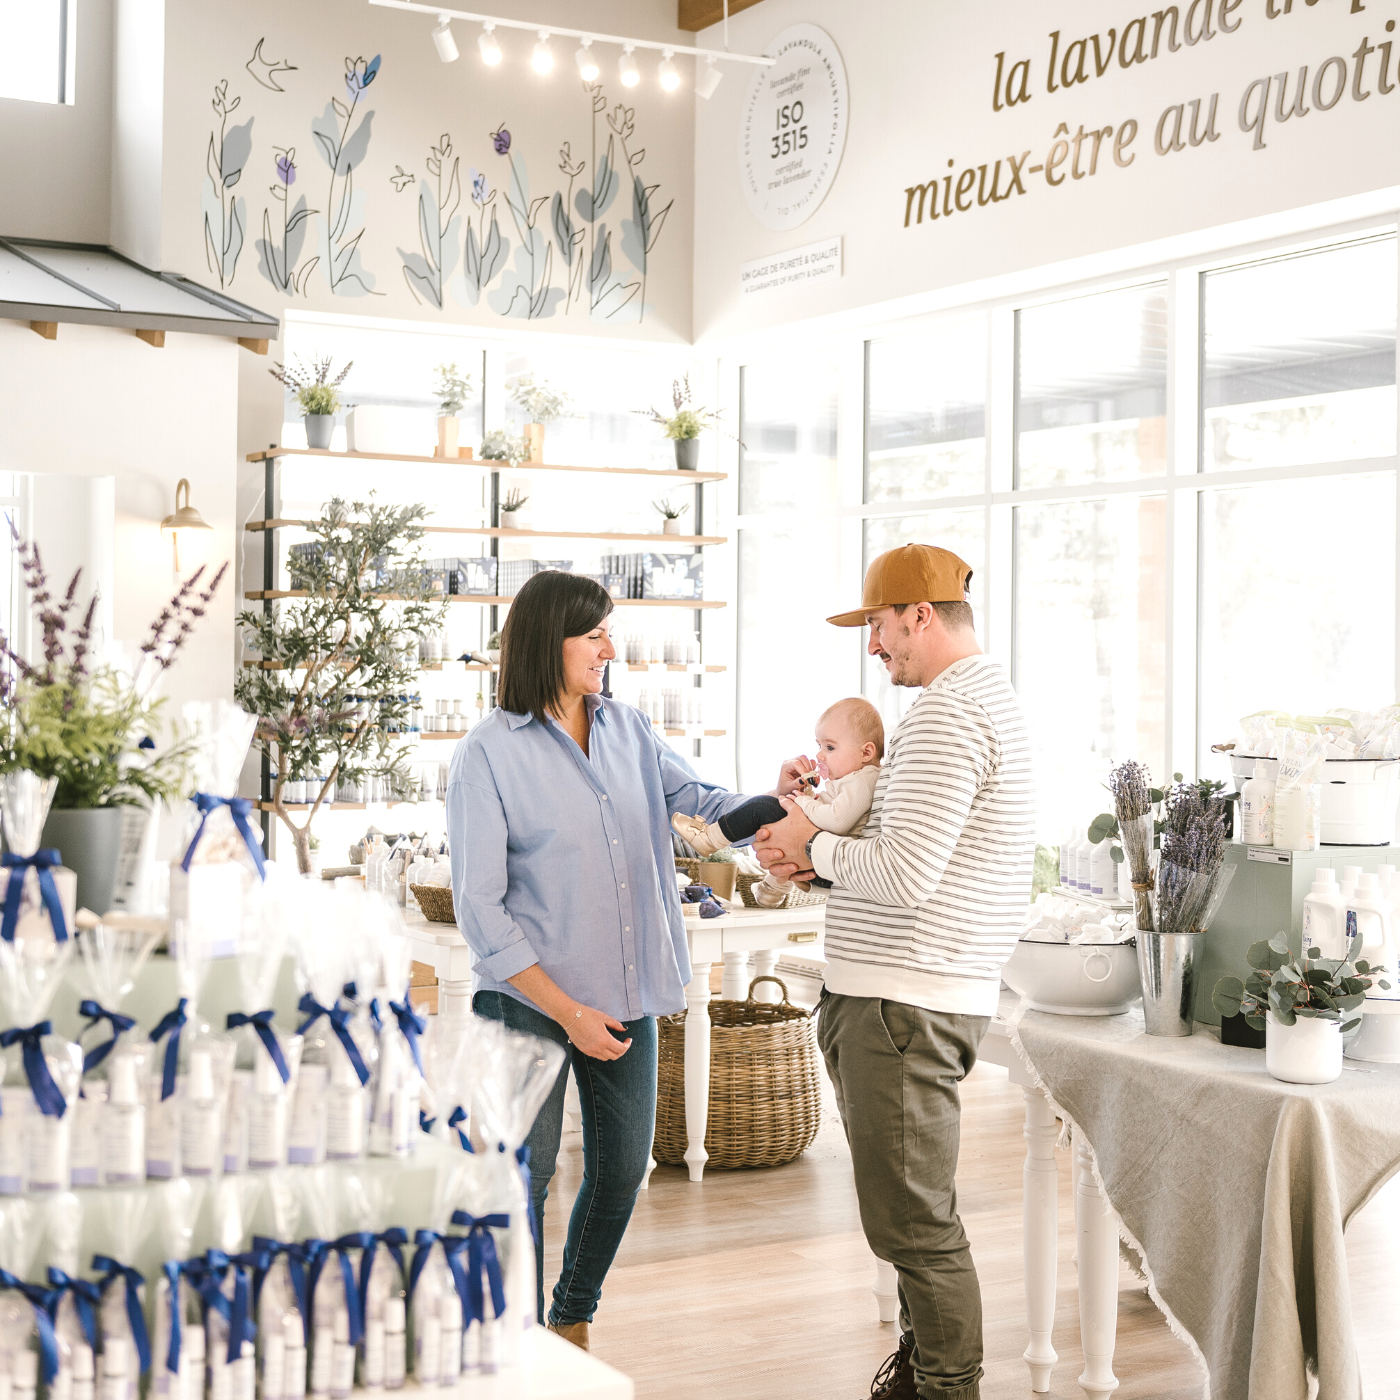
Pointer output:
1075, 979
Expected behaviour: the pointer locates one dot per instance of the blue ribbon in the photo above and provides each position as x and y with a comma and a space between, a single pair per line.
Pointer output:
482, 1260
112, 1271
339, 1017
393, 1239
456, 1117
95, 1013
42, 863
40, 1299
207, 1279
376, 1019
172, 1023
355, 1300
425, 1124
412, 1025
423, 1242
261, 1022
174, 1270
240, 809
522, 1160
86, 1298
47, 1094
268, 1251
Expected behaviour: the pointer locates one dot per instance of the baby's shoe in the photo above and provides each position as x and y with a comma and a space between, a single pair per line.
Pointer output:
705, 837
769, 893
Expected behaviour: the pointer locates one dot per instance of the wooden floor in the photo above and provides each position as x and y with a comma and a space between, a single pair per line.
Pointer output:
755, 1285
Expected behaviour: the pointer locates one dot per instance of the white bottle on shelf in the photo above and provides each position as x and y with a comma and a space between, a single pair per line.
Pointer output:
1325, 916
1257, 808
1067, 840
1101, 870
1082, 857
123, 1125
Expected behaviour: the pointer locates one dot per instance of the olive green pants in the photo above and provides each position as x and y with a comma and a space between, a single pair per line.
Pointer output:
896, 1069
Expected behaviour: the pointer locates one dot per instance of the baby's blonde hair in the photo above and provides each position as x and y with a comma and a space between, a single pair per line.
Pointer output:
862, 717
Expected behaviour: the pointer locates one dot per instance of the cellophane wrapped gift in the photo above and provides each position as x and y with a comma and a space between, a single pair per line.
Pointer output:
283, 1296
42, 1071
38, 890
28, 1345
384, 1355
335, 1250
110, 1149
444, 1118
73, 1300
398, 1087
216, 878
177, 1366
224, 1281
437, 1301
125, 1219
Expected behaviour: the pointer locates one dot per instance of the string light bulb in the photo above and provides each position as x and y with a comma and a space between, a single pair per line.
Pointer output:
666, 71
587, 64
542, 56
490, 49
443, 41
627, 68
708, 79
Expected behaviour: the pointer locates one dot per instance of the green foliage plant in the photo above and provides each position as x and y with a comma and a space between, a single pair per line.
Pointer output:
687, 420
1313, 987
517, 498
316, 392
500, 446
538, 402
669, 509
453, 390
339, 663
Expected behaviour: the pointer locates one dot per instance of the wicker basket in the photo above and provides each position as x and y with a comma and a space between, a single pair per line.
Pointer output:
765, 1093
436, 903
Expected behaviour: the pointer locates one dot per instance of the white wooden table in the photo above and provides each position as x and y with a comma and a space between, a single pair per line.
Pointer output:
550, 1369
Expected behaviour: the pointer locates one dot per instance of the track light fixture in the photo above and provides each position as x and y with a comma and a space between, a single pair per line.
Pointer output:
443, 41
667, 74
490, 49
542, 56
587, 64
708, 78
627, 68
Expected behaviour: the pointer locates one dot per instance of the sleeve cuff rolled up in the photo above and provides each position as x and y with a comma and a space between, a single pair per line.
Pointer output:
824, 854
502, 966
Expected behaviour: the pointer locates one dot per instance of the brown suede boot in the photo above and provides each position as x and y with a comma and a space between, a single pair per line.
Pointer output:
577, 1333
895, 1379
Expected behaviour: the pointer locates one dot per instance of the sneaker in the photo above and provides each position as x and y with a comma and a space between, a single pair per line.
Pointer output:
705, 838
769, 893
895, 1379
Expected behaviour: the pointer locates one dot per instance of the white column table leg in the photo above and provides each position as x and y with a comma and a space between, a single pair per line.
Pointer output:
886, 1291
697, 1067
646, 1179
1039, 1234
735, 986
454, 999
1096, 1231
765, 963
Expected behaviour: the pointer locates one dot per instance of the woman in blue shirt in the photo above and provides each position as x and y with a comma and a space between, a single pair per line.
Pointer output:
558, 814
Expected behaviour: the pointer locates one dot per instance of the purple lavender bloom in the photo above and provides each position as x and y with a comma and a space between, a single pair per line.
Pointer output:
286, 170
500, 138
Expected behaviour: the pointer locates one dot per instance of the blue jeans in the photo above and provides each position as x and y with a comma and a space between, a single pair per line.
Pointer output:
618, 1103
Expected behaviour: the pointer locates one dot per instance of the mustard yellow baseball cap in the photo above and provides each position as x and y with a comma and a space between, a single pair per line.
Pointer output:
913, 573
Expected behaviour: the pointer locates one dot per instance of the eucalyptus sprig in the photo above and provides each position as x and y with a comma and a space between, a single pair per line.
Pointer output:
1313, 987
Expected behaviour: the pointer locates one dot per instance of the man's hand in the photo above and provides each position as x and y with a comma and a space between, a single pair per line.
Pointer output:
782, 848
791, 773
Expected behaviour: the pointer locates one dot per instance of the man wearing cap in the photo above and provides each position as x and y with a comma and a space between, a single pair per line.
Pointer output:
926, 905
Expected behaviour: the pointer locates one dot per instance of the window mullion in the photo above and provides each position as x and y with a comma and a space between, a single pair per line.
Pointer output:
1184, 331
998, 626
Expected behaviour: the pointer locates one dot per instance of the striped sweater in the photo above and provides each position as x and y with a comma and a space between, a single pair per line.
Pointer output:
929, 901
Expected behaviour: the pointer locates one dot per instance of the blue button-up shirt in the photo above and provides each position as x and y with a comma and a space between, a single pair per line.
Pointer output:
565, 860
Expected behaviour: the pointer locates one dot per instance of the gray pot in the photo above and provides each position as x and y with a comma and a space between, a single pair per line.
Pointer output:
90, 843
319, 427
687, 454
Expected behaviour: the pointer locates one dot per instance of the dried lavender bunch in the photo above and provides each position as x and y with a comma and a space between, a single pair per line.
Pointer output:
1131, 785
1191, 860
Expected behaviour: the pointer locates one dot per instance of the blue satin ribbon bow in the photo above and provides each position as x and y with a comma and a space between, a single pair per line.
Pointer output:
172, 1023
207, 1279
423, 1242
240, 809
482, 1260
425, 1124
393, 1239
339, 1017
40, 1299
42, 863
113, 1271
355, 1300
95, 1013
411, 1024
47, 1094
86, 1299
457, 1117
174, 1270
261, 1022
269, 1250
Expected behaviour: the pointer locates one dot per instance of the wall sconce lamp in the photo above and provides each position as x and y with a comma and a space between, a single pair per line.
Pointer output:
186, 517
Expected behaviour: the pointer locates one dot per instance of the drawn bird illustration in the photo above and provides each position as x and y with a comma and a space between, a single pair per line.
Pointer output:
265, 72
401, 179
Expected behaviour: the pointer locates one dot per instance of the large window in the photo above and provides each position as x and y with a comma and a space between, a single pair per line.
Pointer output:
36, 38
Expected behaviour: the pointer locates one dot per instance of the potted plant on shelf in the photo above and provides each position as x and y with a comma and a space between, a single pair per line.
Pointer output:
1300, 1003
453, 391
513, 505
685, 424
541, 405
670, 515
501, 446
336, 702
317, 394
94, 726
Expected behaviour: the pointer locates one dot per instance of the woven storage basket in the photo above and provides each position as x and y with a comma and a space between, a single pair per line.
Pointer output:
436, 903
765, 1094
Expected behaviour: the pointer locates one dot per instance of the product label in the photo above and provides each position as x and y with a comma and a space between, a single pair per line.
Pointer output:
162, 1142
306, 1138
345, 1124
236, 1122
200, 1145
123, 1145
374, 1354
322, 1357
395, 1360
267, 1131
294, 1371
85, 1154
48, 1152
342, 1370
427, 1360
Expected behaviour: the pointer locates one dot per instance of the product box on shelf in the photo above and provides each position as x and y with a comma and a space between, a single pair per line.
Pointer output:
673, 575
513, 574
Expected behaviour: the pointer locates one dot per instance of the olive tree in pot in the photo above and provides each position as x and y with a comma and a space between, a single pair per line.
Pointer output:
96, 726
339, 664
1301, 1004
316, 393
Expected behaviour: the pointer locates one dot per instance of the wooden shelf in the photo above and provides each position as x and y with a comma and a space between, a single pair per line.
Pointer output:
659, 667
259, 595
673, 473
256, 526
434, 666
439, 734
694, 732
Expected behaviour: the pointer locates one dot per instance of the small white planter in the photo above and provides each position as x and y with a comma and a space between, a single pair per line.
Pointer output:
515, 520
1307, 1052
670, 527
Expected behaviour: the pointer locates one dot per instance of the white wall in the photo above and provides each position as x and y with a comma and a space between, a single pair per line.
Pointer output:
138, 109
921, 83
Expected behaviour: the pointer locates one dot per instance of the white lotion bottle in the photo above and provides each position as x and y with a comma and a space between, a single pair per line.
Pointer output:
1257, 808
123, 1126
1102, 872
1082, 857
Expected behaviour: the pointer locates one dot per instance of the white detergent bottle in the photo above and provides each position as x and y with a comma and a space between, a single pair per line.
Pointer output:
1370, 921
1257, 808
1102, 874
1325, 916
1347, 880
1083, 855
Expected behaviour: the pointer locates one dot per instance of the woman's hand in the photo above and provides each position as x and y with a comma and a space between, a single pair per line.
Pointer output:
791, 773
592, 1032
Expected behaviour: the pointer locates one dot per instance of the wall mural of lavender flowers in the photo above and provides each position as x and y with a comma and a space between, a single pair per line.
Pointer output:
277, 259
486, 250
427, 273
225, 215
343, 145
526, 290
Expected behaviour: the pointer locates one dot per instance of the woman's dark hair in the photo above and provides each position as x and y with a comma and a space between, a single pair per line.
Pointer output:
551, 607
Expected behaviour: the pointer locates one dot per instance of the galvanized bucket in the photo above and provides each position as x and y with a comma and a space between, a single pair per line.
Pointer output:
1168, 964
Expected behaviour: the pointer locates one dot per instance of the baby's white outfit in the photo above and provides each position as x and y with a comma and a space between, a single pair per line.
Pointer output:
842, 807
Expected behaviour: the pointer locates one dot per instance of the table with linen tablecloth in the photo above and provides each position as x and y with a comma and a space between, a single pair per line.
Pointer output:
1235, 1188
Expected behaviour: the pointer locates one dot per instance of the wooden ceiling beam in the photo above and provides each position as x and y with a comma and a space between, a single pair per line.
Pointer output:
695, 15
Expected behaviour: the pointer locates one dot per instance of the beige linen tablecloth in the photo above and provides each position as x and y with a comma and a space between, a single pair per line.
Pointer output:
1234, 1187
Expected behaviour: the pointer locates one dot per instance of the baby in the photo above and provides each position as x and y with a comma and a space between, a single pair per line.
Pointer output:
850, 745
